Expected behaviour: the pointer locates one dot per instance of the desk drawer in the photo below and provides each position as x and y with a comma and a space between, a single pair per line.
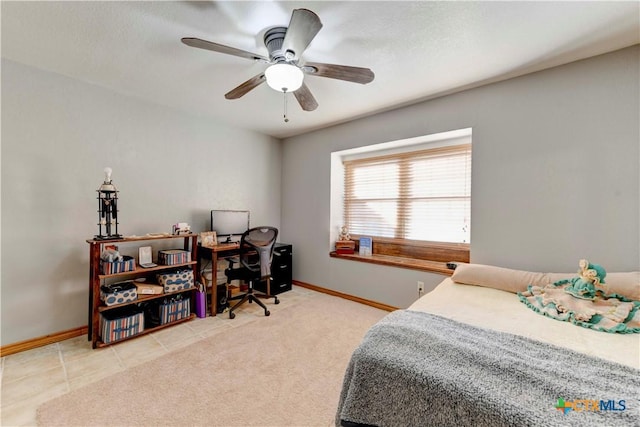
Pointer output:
277, 286
280, 270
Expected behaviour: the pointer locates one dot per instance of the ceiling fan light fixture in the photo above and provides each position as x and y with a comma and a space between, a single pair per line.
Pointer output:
284, 77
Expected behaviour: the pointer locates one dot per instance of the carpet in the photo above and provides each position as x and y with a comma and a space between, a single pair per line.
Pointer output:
281, 370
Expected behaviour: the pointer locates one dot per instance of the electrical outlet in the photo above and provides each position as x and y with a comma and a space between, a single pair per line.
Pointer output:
420, 288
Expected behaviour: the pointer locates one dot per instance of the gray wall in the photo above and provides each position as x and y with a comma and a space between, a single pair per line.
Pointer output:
555, 176
58, 134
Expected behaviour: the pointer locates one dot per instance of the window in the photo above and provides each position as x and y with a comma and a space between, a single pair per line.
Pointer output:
412, 196
420, 195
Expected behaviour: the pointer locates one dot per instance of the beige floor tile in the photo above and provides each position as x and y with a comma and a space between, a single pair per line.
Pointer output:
176, 337
31, 362
75, 348
171, 345
98, 360
32, 354
92, 376
177, 332
198, 325
20, 414
41, 386
139, 350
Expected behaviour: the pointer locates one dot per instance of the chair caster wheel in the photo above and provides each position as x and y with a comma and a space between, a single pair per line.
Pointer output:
250, 301
266, 313
232, 315
277, 301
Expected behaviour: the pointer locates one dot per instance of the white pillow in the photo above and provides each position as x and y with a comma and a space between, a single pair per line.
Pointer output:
626, 284
504, 279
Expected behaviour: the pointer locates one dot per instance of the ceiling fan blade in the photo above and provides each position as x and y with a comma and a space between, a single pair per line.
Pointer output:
203, 44
340, 72
303, 27
245, 87
305, 98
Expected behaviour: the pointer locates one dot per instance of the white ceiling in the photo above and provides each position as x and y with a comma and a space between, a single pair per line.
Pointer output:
417, 50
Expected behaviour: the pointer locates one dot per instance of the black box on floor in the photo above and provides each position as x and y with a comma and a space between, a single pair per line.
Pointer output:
222, 302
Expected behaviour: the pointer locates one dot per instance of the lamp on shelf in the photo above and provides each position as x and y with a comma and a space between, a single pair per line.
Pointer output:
107, 209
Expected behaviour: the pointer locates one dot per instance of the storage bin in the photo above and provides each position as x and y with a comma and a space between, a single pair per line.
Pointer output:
118, 324
127, 264
175, 310
173, 257
176, 281
118, 293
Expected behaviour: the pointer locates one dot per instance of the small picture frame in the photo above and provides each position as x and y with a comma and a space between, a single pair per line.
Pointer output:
208, 238
144, 257
366, 246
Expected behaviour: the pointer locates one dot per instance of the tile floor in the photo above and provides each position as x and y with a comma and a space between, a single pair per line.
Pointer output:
30, 378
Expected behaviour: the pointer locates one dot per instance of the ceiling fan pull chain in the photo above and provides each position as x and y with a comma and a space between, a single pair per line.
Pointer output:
284, 93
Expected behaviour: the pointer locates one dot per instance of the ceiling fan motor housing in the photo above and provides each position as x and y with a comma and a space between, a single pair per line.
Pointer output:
273, 39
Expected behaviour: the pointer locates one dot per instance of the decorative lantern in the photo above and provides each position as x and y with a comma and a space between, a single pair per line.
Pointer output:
107, 209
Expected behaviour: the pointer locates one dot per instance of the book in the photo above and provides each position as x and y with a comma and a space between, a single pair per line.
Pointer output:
366, 246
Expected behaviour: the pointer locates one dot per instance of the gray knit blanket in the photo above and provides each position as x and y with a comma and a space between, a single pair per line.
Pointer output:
419, 369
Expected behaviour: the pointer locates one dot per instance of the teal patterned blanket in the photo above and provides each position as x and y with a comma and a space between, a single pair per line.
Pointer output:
606, 313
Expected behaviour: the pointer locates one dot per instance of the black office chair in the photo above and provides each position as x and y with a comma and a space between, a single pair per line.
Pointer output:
256, 253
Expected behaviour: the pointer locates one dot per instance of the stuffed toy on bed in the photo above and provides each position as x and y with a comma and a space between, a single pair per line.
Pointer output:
589, 277
582, 301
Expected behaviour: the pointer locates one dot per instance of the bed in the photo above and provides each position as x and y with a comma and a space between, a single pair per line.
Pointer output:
471, 353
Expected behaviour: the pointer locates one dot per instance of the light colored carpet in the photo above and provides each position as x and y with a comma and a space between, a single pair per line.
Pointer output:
281, 370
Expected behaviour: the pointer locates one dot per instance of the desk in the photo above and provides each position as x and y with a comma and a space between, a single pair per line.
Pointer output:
281, 268
226, 249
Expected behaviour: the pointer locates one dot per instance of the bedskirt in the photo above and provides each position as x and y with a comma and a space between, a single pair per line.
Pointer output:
420, 369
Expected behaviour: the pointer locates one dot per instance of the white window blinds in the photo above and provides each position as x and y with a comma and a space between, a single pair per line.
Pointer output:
421, 195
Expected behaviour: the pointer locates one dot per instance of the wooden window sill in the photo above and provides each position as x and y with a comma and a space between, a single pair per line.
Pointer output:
395, 261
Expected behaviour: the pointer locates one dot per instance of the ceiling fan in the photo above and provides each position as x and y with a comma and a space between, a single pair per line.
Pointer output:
286, 71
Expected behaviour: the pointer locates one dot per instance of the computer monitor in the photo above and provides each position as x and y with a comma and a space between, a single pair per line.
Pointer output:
229, 223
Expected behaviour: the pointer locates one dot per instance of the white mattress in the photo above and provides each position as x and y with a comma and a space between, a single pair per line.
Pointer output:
503, 311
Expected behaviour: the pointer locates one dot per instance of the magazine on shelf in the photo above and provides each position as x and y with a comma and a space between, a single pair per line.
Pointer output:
366, 246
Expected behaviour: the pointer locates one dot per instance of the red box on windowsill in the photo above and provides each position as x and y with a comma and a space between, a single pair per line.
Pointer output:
345, 247
345, 251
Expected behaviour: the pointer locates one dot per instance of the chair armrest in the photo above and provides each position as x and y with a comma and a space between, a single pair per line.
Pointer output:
232, 260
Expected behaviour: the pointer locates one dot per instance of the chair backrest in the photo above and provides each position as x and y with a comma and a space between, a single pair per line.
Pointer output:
256, 249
